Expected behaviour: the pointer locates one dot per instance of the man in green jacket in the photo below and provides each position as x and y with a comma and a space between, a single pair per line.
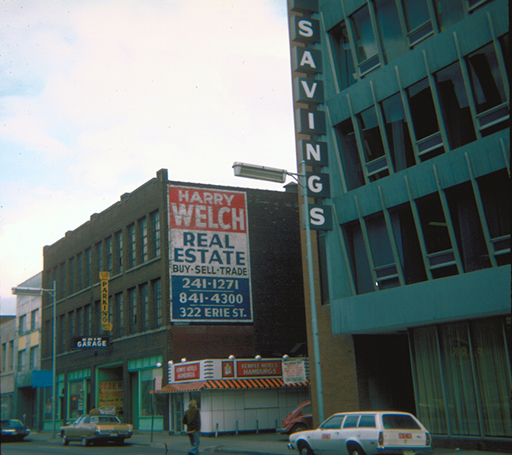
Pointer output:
192, 419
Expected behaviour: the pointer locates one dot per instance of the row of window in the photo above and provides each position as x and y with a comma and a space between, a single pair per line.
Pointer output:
8, 357
136, 244
383, 30
459, 104
457, 230
137, 310
35, 323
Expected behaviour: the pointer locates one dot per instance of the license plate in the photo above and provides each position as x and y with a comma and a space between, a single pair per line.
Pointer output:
404, 435
113, 434
326, 436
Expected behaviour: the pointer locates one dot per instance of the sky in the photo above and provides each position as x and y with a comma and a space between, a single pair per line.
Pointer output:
97, 95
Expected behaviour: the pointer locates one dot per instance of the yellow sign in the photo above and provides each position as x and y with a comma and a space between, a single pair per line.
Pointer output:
105, 323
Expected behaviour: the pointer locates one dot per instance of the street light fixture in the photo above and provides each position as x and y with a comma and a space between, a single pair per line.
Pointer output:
53, 292
279, 175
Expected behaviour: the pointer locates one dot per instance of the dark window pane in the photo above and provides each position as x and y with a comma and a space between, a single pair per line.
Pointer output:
422, 109
417, 18
449, 12
349, 155
505, 51
433, 224
372, 141
358, 258
399, 140
390, 31
344, 63
366, 46
455, 106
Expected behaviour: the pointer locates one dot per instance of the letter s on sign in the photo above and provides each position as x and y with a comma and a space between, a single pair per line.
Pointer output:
316, 216
306, 28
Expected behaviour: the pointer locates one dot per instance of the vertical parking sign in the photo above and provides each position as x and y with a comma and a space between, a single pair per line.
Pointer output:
209, 256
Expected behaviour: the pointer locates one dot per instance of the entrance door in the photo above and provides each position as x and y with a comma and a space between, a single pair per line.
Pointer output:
176, 417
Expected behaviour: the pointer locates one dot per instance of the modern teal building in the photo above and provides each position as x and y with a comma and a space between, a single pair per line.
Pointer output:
403, 107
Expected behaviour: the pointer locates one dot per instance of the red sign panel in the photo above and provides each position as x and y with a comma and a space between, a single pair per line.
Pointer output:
187, 372
258, 369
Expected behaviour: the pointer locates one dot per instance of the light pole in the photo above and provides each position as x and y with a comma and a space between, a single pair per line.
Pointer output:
270, 174
53, 293
158, 365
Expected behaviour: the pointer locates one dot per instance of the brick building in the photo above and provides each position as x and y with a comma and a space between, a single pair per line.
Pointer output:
222, 281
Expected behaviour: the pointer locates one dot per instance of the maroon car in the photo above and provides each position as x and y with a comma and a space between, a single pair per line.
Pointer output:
298, 420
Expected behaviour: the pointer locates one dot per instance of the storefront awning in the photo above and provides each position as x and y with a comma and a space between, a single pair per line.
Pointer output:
231, 384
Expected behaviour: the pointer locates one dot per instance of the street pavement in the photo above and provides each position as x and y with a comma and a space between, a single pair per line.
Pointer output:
264, 443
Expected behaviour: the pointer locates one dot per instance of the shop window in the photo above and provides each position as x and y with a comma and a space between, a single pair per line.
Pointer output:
148, 399
344, 63
449, 12
488, 90
418, 20
397, 133
455, 106
440, 252
375, 157
392, 39
76, 399
383, 261
492, 369
349, 155
132, 303
365, 42
467, 227
407, 244
358, 259
495, 192
424, 120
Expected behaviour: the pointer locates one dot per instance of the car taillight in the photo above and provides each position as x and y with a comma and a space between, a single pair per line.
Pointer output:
428, 441
381, 438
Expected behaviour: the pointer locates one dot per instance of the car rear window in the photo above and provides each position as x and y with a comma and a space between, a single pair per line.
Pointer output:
367, 422
351, 421
399, 422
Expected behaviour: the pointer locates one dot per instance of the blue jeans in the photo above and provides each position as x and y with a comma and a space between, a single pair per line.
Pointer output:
194, 441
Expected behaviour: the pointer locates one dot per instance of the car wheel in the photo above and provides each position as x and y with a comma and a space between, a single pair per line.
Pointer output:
65, 441
355, 449
304, 449
85, 441
298, 427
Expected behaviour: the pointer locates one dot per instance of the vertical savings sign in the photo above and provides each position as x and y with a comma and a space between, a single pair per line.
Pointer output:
209, 256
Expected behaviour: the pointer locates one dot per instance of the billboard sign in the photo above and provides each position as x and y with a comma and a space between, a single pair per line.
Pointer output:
209, 256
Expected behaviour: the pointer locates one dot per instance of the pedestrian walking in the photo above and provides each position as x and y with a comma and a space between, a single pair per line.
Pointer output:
192, 419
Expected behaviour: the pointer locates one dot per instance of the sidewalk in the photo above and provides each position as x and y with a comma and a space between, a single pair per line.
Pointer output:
264, 443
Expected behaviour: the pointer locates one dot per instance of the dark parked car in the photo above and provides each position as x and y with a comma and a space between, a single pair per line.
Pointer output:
14, 430
298, 420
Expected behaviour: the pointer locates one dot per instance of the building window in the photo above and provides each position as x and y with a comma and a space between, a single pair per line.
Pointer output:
488, 90
505, 51
71, 275
22, 324
144, 302
119, 320
21, 359
407, 244
62, 336
352, 169
397, 133
110, 309
436, 236
424, 120
99, 261
4, 357
108, 247
63, 279
467, 227
79, 322
34, 357
495, 193
80, 271
119, 252
143, 232
384, 266
157, 299
131, 246
455, 106
390, 30
358, 258
373, 148
88, 267
344, 64
155, 222
49, 337
72, 327
88, 320
132, 303
365, 42
449, 12
34, 320
418, 20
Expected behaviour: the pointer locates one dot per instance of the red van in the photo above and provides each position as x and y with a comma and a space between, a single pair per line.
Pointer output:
298, 420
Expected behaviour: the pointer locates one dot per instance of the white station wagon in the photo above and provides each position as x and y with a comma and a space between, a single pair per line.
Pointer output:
360, 433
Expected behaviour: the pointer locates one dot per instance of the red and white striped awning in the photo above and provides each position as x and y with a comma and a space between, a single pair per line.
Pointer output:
231, 384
